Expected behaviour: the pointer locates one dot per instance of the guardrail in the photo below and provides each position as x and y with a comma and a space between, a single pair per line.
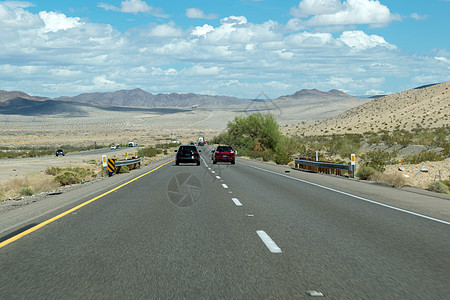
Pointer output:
115, 165
324, 167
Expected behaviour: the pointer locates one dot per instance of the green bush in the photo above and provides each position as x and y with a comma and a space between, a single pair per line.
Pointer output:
378, 159
68, 177
27, 191
365, 172
282, 158
424, 156
148, 151
438, 187
124, 169
53, 171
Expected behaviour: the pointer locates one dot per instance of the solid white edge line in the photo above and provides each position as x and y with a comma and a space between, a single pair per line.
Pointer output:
354, 196
270, 244
236, 201
224, 186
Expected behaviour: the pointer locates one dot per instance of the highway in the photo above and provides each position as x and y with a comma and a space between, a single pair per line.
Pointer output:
244, 231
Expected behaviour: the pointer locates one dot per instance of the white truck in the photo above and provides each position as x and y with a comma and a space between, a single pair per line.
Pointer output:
201, 141
132, 144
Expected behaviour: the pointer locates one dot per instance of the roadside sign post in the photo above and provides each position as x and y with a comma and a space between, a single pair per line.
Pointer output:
353, 165
104, 163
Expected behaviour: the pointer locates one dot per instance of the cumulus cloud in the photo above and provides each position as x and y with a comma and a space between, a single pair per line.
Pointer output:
133, 6
196, 13
360, 41
316, 7
165, 30
59, 55
334, 13
56, 21
13, 14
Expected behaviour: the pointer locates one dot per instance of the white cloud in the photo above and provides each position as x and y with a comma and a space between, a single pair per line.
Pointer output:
202, 30
334, 13
101, 82
12, 14
57, 21
316, 7
165, 30
199, 70
196, 13
373, 92
418, 17
360, 41
134, 7
59, 55
442, 59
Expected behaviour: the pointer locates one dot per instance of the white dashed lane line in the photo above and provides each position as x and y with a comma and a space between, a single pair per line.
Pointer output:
236, 201
218, 177
224, 186
270, 244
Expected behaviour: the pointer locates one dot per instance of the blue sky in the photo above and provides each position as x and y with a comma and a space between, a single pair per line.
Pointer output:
234, 47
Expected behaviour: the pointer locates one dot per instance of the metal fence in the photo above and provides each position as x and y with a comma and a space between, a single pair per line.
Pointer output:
324, 167
117, 164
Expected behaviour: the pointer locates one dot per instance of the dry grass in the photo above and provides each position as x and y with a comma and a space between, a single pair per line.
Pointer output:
396, 179
38, 182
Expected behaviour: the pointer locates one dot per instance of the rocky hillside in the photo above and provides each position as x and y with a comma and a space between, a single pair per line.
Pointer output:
427, 107
141, 98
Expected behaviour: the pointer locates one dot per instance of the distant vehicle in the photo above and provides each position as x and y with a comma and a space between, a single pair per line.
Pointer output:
201, 141
113, 147
60, 152
191, 143
118, 147
223, 153
187, 154
132, 144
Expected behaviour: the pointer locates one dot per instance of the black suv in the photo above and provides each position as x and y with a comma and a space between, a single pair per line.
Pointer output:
60, 152
187, 154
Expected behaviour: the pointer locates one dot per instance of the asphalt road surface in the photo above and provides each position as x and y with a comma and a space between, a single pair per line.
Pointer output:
225, 231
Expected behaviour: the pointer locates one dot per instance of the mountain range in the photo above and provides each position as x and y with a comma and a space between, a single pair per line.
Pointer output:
17, 102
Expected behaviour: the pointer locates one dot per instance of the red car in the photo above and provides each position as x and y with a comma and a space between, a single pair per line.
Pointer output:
223, 153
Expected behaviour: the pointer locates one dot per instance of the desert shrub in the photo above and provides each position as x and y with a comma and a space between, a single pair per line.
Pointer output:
438, 187
167, 145
378, 159
282, 158
396, 179
124, 169
2, 197
222, 138
74, 175
148, 151
68, 177
365, 172
53, 171
27, 191
424, 156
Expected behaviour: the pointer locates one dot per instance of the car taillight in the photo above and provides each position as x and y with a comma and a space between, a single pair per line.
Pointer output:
195, 153
180, 152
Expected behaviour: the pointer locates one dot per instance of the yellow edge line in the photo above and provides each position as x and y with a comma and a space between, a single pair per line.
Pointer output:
40, 225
